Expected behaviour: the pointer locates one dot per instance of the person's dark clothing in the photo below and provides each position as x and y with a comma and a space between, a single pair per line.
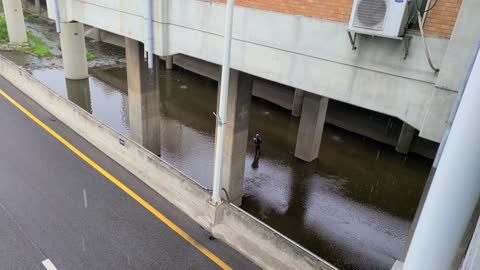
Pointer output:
258, 145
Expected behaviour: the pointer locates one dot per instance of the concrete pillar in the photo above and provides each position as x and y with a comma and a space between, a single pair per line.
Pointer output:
455, 189
78, 92
404, 143
298, 102
74, 52
38, 7
310, 130
236, 135
169, 62
17, 32
143, 98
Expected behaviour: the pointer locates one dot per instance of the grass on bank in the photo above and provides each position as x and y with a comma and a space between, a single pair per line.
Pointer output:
3, 30
36, 46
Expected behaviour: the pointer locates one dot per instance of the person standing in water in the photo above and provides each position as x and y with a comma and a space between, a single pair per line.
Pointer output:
258, 145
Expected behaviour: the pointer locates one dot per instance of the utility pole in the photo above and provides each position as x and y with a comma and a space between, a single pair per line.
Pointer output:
222, 108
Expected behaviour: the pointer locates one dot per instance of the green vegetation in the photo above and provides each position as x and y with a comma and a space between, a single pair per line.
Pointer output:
36, 46
3, 30
1, 6
90, 56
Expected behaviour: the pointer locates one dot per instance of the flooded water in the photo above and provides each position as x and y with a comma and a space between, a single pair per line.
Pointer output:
353, 206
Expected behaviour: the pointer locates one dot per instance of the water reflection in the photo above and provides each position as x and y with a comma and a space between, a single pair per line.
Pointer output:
144, 112
78, 91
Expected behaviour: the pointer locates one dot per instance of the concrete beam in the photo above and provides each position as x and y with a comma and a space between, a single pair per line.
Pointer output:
17, 32
404, 143
298, 102
74, 52
310, 130
236, 134
143, 98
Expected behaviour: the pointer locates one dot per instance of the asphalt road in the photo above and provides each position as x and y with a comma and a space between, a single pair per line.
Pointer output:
54, 206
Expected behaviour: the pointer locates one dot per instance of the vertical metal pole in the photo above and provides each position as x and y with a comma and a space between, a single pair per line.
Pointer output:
455, 188
222, 109
56, 10
150, 33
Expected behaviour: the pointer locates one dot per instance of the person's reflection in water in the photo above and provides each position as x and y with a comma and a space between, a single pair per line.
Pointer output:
256, 162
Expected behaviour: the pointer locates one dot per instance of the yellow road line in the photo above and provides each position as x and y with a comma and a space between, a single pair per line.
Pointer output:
119, 184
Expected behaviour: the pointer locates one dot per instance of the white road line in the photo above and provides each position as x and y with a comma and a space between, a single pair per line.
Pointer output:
83, 243
85, 202
49, 265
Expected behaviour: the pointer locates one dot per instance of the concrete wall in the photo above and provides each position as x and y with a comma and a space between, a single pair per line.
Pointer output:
301, 52
246, 234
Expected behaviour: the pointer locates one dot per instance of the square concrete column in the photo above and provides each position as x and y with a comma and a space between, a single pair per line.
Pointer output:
310, 130
143, 98
169, 62
17, 32
236, 135
298, 102
74, 52
407, 134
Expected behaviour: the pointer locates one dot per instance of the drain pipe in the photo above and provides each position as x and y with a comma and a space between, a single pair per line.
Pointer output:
56, 10
150, 33
222, 109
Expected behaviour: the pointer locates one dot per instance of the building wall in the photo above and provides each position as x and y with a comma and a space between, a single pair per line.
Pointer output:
440, 21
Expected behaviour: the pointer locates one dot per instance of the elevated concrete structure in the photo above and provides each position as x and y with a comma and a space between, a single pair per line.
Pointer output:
17, 32
319, 58
310, 130
74, 52
236, 135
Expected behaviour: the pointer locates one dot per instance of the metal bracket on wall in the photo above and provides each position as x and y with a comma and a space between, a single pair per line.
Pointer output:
353, 39
406, 43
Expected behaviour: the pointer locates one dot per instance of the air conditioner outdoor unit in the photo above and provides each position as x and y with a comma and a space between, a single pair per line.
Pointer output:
386, 18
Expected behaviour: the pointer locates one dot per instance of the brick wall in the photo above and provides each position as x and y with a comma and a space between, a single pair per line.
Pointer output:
440, 22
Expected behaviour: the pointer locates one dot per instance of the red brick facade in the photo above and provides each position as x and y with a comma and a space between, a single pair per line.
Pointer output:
440, 22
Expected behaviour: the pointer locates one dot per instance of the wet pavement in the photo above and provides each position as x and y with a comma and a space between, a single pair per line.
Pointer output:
352, 207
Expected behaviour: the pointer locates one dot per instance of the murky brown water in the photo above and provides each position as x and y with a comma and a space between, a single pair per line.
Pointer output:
353, 207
